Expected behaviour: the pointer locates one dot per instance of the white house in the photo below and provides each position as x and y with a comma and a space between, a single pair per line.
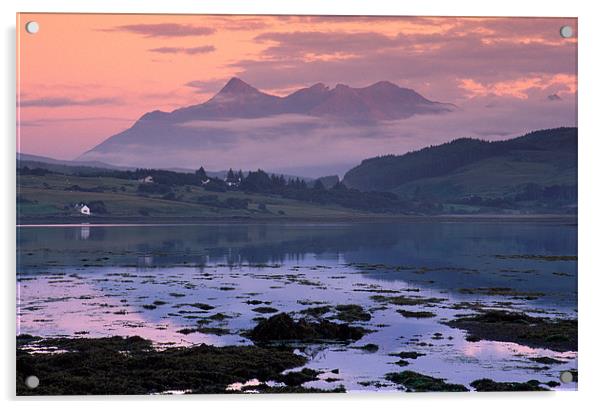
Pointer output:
146, 179
232, 182
83, 209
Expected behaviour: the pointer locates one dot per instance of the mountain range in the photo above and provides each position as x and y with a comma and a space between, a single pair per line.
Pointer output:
239, 111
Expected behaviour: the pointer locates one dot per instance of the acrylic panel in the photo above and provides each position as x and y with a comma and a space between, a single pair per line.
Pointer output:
259, 204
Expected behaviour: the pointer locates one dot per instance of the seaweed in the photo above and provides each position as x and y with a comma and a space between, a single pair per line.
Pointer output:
537, 332
282, 327
316, 311
297, 378
416, 314
488, 385
368, 348
404, 300
546, 360
503, 292
351, 313
265, 310
416, 382
117, 366
407, 355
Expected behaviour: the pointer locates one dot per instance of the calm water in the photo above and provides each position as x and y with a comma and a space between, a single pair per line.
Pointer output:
102, 280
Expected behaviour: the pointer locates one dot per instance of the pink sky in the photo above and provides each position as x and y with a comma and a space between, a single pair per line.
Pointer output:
83, 78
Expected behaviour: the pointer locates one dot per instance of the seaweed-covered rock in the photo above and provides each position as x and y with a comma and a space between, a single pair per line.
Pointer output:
416, 314
404, 300
505, 326
316, 311
265, 310
488, 385
416, 382
293, 389
407, 354
117, 366
351, 313
282, 327
371, 348
546, 360
297, 378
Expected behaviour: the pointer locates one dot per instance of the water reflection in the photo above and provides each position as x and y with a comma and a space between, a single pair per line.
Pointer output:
145, 280
455, 254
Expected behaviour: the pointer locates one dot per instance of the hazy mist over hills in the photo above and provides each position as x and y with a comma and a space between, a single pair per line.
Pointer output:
312, 132
246, 128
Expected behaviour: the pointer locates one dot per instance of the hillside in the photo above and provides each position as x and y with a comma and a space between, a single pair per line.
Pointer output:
538, 166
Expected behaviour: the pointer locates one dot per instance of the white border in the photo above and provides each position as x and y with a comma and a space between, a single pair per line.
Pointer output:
590, 173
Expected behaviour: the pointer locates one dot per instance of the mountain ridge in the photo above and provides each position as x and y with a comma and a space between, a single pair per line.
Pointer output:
316, 98
160, 139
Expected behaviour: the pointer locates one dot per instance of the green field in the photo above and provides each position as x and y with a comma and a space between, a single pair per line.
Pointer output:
49, 196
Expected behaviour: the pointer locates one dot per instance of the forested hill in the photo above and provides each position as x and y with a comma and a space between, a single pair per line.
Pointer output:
463, 166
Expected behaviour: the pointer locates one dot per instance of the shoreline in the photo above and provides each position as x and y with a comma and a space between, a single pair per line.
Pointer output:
158, 221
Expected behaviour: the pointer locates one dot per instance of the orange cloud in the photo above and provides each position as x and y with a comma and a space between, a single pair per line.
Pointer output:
519, 88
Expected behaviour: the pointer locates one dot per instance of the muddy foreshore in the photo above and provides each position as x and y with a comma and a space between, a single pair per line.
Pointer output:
132, 365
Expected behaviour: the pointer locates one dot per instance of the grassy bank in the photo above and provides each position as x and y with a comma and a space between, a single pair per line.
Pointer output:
52, 197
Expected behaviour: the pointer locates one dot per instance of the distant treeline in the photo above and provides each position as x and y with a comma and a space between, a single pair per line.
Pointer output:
260, 182
255, 182
339, 194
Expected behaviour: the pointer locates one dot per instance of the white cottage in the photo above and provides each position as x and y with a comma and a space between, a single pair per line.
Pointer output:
146, 179
83, 209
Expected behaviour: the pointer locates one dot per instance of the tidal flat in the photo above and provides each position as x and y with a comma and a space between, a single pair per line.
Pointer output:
383, 307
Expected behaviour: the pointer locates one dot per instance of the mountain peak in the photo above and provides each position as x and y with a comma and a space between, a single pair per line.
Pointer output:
319, 86
237, 86
383, 84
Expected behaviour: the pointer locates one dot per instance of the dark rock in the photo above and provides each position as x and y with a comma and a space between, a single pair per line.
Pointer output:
119, 366
505, 326
368, 348
546, 360
282, 327
299, 377
488, 385
352, 313
265, 310
415, 382
407, 355
416, 314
